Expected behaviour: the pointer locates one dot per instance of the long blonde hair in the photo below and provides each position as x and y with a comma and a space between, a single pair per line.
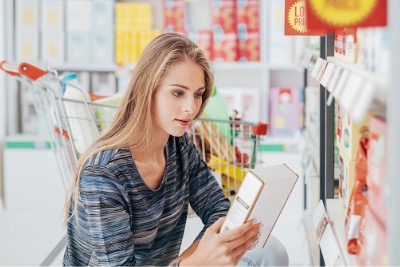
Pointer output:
131, 125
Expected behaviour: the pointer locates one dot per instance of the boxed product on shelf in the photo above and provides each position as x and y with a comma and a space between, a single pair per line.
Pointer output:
347, 173
225, 47
286, 114
78, 16
249, 46
374, 251
103, 48
203, 38
27, 16
102, 16
77, 48
248, 15
174, 15
133, 15
223, 16
373, 52
103, 83
348, 133
377, 169
27, 46
312, 120
52, 16
281, 46
132, 31
245, 101
52, 47
346, 44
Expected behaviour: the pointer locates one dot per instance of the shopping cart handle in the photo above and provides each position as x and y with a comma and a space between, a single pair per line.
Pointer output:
26, 69
31, 71
11, 69
260, 129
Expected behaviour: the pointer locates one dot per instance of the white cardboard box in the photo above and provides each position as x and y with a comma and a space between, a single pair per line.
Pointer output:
77, 48
78, 16
261, 196
103, 48
27, 13
52, 47
52, 15
102, 15
27, 46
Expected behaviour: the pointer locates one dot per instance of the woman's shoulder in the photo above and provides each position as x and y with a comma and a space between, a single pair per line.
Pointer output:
111, 159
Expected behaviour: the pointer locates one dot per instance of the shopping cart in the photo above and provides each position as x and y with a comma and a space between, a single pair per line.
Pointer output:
72, 124
229, 147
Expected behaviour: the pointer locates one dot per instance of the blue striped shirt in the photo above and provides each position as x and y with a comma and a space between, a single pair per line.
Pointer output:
122, 222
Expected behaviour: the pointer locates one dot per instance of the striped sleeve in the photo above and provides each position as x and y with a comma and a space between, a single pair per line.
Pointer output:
206, 196
106, 207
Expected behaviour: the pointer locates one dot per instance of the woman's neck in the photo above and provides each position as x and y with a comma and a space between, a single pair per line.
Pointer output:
154, 151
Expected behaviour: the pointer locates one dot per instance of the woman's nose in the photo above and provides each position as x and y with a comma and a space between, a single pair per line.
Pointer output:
190, 105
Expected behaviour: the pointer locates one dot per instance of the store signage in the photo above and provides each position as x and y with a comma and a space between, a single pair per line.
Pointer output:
296, 19
335, 14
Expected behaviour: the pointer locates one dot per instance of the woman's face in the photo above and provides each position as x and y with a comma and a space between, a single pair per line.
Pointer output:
178, 99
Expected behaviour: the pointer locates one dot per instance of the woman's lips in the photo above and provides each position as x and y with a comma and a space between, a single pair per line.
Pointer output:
183, 122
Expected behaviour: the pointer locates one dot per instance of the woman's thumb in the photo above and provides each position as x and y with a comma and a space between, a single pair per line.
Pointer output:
216, 227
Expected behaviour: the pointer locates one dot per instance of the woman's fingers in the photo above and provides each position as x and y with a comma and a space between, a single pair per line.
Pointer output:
250, 236
215, 227
239, 231
238, 252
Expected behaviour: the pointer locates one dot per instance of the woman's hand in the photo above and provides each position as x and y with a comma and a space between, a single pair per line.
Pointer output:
221, 249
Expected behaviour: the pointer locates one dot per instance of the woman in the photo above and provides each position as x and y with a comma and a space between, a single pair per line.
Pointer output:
128, 202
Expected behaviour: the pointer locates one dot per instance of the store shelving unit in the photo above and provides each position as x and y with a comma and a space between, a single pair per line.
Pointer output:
384, 103
256, 75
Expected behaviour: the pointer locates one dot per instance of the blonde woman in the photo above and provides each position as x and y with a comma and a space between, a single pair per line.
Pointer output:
128, 201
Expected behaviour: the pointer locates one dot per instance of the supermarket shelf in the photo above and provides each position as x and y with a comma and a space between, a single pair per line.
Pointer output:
311, 238
354, 68
279, 144
379, 81
313, 145
337, 216
90, 68
283, 67
241, 66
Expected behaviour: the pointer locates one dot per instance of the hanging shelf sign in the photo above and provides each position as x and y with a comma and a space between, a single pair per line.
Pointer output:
330, 15
296, 19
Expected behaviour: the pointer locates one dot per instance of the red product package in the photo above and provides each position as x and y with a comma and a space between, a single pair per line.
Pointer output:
223, 15
248, 15
203, 39
174, 15
225, 47
377, 168
249, 47
358, 200
339, 43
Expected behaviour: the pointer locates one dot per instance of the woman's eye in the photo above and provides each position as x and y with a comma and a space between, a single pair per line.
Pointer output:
198, 95
177, 94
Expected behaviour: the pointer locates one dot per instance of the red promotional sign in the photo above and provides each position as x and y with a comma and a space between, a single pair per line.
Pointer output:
335, 14
296, 21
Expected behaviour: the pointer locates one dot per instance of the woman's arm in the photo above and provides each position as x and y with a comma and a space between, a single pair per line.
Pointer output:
107, 219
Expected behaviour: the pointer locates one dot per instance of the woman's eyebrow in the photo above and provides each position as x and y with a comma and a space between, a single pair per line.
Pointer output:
185, 87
